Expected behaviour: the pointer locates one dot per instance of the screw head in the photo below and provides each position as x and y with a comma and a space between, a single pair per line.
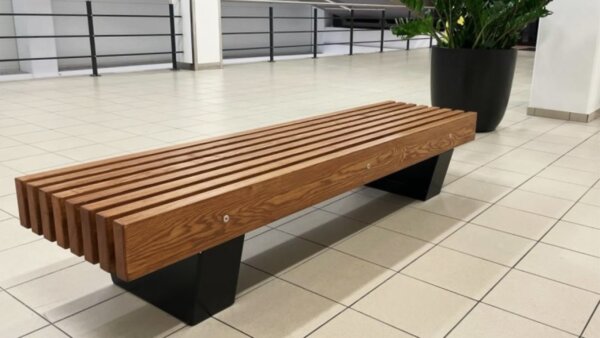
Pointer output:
226, 218
368, 165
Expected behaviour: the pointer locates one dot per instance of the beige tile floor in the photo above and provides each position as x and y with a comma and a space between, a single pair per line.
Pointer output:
509, 249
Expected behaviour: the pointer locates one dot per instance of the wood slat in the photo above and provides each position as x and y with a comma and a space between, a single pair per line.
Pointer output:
121, 194
157, 237
129, 203
137, 213
103, 219
118, 170
21, 182
153, 169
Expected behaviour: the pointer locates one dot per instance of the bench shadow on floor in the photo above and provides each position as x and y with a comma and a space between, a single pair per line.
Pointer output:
276, 251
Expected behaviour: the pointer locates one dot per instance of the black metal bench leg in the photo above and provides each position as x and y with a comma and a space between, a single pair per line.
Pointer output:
421, 181
195, 288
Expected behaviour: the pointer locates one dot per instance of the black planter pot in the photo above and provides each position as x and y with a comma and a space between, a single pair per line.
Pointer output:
474, 80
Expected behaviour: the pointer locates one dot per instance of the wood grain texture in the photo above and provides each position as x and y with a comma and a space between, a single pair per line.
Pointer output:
159, 194
132, 170
103, 218
157, 237
147, 183
137, 213
60, 175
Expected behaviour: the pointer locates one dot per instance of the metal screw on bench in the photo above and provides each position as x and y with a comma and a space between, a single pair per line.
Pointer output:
226, 219
368, 165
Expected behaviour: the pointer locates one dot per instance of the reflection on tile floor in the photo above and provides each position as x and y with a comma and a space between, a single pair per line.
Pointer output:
510, 249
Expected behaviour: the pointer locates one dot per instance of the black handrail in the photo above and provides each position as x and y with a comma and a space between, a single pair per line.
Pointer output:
314, 31
356, 43
92, 36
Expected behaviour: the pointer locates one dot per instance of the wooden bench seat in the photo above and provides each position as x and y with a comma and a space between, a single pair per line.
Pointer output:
139, 214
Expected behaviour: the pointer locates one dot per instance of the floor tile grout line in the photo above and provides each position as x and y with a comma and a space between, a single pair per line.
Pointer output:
279, 277
45, 327
435, 244
45, 275
531, 239
557, 281
427, 251
589, 320
37, 313
525, 317
94, 305
532, 247
231, 326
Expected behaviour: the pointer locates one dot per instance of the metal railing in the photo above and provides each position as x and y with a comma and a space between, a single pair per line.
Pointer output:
383, 26
93, 55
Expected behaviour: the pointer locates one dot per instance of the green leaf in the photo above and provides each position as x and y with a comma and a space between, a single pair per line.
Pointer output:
407, 29
485, 24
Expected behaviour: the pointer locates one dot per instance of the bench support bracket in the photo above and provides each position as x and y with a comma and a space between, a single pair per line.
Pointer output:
195, 288
421, 181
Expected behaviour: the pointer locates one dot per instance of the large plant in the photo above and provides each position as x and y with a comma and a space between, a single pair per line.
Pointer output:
477, 24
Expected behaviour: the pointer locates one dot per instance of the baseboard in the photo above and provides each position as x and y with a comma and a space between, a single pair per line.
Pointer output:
563, 115
203, 66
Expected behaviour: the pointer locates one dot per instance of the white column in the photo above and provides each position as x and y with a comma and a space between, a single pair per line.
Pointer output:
206, 31
566, 74
36, 48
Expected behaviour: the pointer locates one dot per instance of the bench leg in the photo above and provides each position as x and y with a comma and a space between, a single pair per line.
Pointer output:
195, 288
421, 181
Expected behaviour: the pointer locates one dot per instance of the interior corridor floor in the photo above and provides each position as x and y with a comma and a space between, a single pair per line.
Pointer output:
511, 248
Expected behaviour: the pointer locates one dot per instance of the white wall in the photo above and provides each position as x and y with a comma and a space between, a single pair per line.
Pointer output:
8, 47
566, 75
594, 101
207, 33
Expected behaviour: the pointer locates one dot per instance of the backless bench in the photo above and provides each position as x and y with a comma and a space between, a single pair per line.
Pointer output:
169, 224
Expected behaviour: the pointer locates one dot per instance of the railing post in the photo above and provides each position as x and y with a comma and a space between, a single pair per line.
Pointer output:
430, 41
173, 42
93, 55
382, 31
408, 40
351, 31
315, 31
271, 36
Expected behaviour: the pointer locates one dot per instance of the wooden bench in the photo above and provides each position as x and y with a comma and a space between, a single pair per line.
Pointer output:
169, 224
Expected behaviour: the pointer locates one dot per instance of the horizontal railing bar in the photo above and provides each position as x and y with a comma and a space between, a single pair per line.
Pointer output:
42, 14
85, 15
84, 56
247, 48
45, 58
297, 32
134, 35
135, 54
134, 16
329, 4
43, 36
244, 33
280, 17
293, 46
84, 36
244, 17
321, 44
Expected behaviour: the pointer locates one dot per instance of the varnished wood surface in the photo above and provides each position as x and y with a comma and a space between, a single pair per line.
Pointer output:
137, 213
